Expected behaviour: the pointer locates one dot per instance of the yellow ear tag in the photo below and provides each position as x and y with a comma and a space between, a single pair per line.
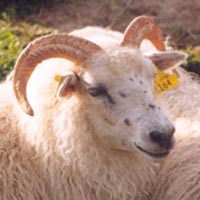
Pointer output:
164, 81
57, 78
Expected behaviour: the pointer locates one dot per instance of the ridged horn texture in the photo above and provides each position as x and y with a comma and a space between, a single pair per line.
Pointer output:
75, 49
140, 28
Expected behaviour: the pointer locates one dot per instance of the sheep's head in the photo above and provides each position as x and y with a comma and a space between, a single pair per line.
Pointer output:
116, 86
120, 90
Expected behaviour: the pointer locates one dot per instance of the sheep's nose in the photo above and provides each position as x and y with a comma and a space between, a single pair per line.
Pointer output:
162, 139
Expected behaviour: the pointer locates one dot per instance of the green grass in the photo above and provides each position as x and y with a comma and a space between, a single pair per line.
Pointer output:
14, 36
193, 61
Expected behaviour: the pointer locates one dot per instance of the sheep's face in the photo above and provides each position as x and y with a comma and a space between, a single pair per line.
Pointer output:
116, 94
121, 107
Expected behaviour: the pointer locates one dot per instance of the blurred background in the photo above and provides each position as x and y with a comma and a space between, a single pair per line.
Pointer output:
22, 21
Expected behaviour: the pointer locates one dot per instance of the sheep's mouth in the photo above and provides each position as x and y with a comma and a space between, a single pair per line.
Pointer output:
153, 154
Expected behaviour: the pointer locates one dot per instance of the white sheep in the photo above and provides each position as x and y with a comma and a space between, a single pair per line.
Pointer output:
86, 136
176, 101
180, 173
179, 176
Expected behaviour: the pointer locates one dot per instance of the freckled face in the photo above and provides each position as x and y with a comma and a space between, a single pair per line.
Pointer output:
121, 99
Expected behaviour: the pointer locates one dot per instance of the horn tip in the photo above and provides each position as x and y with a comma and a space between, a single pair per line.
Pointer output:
30, 112
27, 109
161, 47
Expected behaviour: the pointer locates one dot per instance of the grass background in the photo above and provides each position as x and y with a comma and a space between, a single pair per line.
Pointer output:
18, 27
16, 32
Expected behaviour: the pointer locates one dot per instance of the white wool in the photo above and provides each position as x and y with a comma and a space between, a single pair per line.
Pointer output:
182, 102
179, 177
107, 39
36, 164
75, 148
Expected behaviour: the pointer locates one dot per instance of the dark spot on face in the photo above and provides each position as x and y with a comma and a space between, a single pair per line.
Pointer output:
110, 99
106, 120
141, 82
127, 122
109, 121
145, 91
131, 79
122, 94
152, 106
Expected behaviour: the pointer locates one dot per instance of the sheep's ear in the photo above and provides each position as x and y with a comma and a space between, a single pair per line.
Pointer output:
66, 84
168, 59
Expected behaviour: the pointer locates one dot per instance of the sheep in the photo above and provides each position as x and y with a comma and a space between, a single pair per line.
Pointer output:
94, 133
174, 102
179, 176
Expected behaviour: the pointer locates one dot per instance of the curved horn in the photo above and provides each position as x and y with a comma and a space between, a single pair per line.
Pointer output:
140, 28
75, 49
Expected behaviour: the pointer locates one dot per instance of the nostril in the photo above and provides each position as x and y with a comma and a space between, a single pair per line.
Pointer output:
156, 136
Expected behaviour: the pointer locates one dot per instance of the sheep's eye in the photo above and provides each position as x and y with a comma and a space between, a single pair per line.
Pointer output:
100, 91
97, 91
